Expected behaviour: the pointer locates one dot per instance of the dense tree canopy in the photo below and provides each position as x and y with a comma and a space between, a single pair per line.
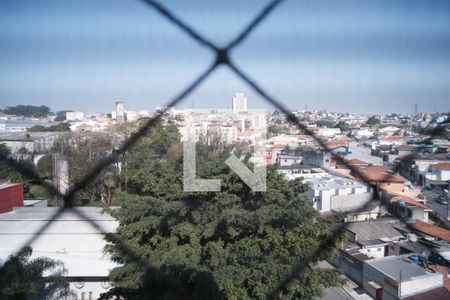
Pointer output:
22, 277
61, 127
372, 121
233, 244
61, 115
28, 110
18, 171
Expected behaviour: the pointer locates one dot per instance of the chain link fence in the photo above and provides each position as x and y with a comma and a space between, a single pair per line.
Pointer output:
223, 57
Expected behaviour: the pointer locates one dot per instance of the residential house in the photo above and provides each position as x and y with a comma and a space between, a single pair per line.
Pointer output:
301, 171
287, 160
333, 193
397, 277
381, 177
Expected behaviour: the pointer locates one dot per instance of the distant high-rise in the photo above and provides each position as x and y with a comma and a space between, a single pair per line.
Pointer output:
239, 103
120, 112
415, 109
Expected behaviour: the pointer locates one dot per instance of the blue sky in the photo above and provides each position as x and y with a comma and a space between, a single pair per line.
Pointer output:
345, 56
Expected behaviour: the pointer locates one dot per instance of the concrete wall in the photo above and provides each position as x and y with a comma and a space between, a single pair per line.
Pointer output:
348, 202
420, 284
11, 196
350, 266
390, 286
92, 288
394, 290
373, 251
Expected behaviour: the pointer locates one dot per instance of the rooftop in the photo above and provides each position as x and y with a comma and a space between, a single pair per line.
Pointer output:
356, 162
392, 266
26, 136
408, 200
334, 182
6, 183
69, 237
375, 229
431, 230
442, 166
406, 148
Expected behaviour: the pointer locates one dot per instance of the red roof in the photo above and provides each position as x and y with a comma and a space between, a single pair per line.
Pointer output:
408, 200
279, 146
378, 174
441, 166
432, 230
437, 294
356, 162
393, 138
406, 148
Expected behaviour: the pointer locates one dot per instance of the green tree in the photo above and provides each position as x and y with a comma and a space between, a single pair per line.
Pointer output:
18, 171
233, 244
61, 115
372, 121
342, 125
23, 278
275, 129
60, 127
28, 110
44, 166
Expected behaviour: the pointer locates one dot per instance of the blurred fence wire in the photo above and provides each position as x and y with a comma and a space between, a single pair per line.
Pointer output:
223, 57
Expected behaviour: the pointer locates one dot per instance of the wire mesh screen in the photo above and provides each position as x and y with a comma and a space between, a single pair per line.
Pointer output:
217, 56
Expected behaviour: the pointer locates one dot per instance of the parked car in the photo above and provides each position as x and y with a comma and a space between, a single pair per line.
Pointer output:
442, 200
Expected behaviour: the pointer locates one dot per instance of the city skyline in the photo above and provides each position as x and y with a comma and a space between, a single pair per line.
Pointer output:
372, 58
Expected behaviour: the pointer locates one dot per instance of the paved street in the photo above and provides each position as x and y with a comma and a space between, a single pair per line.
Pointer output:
440, 209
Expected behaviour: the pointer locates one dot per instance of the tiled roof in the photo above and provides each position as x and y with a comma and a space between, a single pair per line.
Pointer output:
356, 162
408, 200
279, 146
441, 166
430, 229
406, 148
438, 293
393, 138
378, 174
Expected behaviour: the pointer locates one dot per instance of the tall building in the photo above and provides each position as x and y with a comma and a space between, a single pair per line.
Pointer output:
120, 112
239, 103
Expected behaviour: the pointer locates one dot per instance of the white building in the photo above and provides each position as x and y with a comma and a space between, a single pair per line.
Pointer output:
132, 115
333, 193
288, 160
395, 277
70, 239
258, 120
437, 174
30, 142
328, 132
239, 103
292, 172
74, 116
120, 112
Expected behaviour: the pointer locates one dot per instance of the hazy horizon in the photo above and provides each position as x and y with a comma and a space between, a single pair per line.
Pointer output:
351, 56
